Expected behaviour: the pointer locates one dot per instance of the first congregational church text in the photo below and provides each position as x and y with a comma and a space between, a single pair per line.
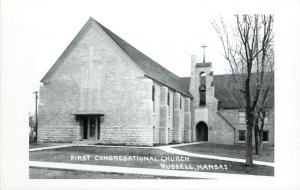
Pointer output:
103, 90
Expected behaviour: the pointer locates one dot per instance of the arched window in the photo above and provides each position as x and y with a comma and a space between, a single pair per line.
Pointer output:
202, 89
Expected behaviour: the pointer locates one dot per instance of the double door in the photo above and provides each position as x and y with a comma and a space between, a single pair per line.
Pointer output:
91, 128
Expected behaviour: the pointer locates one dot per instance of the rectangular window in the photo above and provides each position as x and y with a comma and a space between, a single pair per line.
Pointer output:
153, 97
242, 116
265, 136
180, 103
168, 99
242, 135
168, 102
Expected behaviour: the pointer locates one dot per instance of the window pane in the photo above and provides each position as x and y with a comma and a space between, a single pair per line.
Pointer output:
265, 136
180, 103
168, 100
98, 128
242, 116
153, 97
85, 128
92, 127
242, 135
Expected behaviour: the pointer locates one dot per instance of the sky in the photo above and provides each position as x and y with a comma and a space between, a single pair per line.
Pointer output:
169, 32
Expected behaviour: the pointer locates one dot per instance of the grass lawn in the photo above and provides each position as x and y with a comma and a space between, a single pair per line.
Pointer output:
44, 173
232, 151
197, 164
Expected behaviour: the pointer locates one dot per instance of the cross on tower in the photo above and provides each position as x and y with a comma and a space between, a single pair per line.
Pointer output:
204, 46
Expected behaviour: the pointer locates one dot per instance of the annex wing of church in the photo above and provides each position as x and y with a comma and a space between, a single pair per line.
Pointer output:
103, 90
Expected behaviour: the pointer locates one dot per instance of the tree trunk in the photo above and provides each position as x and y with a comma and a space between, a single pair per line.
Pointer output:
261, 131
257, 140
260, 140
250, 119
249, 149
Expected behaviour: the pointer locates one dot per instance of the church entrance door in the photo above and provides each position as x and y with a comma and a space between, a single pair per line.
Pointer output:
91, 128
201, 132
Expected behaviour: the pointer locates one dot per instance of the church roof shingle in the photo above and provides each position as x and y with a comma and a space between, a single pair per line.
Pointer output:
225, 92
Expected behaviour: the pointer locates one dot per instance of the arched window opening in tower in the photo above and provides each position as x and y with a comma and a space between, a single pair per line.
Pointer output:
202, 89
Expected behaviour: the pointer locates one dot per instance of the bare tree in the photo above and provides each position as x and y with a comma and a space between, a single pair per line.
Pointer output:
248, 48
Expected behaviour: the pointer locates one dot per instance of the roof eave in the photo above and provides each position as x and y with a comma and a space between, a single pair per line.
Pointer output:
182, 92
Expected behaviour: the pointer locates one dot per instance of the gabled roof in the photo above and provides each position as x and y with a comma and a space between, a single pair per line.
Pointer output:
151, 68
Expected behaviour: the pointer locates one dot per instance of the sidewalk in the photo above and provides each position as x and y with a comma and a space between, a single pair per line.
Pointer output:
181, 152
142, 171
169, 149
51, 147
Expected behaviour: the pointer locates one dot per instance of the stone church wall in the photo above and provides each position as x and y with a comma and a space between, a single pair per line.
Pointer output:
156, 114
170, 117
119, 91
222, 132
232, 115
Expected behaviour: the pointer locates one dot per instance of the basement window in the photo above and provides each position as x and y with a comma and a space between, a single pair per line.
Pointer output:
242, 135
265, 136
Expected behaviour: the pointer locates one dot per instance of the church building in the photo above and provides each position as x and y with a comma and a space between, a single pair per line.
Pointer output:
102, 90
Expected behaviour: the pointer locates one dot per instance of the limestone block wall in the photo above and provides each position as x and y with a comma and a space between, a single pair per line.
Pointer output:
170, 116
223, 132
187, 120
163, 126
232, 116
182, 110
111, 85
156, 113
177, 131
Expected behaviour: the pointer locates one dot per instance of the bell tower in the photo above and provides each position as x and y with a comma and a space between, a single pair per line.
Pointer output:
204, 104
201, 85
